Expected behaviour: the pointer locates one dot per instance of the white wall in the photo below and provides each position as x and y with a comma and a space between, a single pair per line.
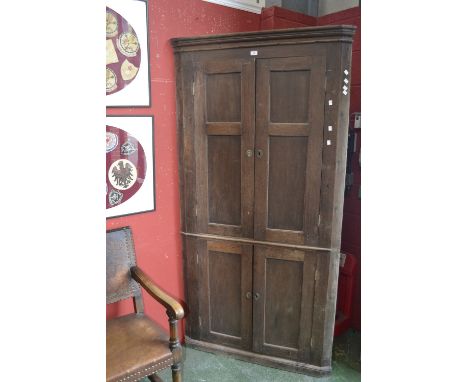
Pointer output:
314, 7
330, 6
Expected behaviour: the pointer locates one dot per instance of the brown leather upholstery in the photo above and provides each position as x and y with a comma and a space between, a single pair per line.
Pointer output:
120, 257
136, 347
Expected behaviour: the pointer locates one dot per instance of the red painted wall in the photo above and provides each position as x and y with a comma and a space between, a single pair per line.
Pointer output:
156, 234
282, 18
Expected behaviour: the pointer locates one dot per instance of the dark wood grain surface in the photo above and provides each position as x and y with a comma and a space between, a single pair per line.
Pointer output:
262, 124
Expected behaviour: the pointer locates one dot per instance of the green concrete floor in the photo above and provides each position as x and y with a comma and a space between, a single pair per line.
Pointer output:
206, 367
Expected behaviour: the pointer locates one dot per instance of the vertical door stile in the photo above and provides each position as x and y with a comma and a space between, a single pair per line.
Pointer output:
261, 118
200, 144
314, 150
248, 146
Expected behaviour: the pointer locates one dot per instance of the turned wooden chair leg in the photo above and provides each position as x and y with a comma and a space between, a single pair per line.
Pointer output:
155, 378
176, 349
176, 373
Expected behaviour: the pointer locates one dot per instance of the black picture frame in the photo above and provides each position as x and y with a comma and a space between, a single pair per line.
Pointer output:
132, 105
153, 164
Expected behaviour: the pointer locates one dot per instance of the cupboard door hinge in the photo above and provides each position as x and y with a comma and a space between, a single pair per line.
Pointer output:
316, 277
199, 321
193, 88
197, 258
196, 211
318, 220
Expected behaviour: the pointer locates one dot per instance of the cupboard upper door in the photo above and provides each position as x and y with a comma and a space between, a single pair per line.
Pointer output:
224, 101
289, 136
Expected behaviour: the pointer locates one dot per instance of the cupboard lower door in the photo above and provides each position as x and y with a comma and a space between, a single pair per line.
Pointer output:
225, 294
284, 284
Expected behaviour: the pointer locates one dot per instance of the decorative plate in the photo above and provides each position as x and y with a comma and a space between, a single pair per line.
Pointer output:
123, 53
125, 166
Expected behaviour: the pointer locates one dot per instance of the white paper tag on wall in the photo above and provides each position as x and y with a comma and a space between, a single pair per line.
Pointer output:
254, 52
342, 259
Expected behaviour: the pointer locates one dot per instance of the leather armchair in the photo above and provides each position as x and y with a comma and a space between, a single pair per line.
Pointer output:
137, 347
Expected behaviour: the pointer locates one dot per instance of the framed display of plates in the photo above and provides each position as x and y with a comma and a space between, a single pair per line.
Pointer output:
127, 54
130, 186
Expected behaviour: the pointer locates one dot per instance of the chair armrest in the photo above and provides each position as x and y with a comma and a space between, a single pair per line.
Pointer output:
174, 309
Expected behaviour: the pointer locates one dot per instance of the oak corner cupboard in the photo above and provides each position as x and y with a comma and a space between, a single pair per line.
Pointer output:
262, 127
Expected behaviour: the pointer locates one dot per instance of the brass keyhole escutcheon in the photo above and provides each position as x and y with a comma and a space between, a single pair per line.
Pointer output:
256, 296
249, 153
248, 295
258, 153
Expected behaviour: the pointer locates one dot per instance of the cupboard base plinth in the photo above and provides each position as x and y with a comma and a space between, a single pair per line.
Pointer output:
261, 359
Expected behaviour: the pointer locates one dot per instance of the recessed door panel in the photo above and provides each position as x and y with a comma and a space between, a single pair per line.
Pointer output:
283, 301
289, 140
289, 96
226, 304
286, 182
223, 97
224, 102
225, 278
224, 179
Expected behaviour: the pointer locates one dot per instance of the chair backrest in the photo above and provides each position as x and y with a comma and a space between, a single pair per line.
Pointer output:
120, 257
